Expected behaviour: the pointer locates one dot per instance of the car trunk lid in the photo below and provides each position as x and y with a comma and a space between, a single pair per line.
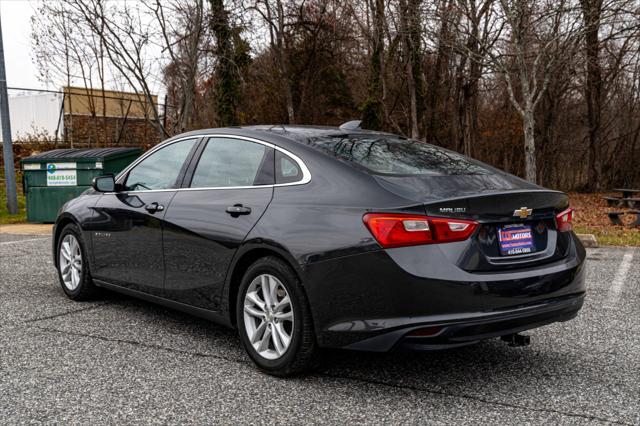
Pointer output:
517, 219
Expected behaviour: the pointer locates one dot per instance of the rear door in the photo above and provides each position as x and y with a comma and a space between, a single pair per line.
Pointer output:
128, 224
225, 193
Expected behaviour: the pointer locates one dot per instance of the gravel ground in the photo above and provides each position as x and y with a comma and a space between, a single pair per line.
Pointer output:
119, 360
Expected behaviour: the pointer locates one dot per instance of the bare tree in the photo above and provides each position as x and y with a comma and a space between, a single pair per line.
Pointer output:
441, 36
477, 76
51, 37
272, 13
540, 35
127, 39
182, 28
479, 40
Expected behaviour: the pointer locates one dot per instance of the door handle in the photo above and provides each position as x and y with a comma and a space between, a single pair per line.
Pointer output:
154, 207
238, 209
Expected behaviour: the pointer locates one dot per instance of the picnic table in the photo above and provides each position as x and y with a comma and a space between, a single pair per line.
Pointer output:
630, 198
626, 192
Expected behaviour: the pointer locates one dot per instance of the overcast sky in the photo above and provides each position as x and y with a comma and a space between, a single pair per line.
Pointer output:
16, 27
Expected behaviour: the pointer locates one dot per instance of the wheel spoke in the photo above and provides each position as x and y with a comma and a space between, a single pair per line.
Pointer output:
282, 304
277, 342
255, 299
273, 290
264, 343
284, 337
284, 316
65, 251
75, 278
265, 283
253, 311
66, 275
65, 269
258, 333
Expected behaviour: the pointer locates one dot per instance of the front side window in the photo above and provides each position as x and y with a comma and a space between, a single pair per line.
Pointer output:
161, 169
227, 162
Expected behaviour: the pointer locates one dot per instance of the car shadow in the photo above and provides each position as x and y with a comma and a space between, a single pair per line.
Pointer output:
462, 370
489, 367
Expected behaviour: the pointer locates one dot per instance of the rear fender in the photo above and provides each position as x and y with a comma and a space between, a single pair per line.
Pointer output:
247, 253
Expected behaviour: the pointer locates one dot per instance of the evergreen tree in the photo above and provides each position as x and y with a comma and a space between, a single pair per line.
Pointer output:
233, 56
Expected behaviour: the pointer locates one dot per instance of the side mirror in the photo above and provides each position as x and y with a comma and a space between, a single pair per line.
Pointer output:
104, 183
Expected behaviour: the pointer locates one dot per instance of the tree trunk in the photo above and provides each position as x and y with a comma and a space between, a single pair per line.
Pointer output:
410, 28
470, 121
372, 111
528, 121
282, 63
591, 11
439, 73
470, 90
415, 133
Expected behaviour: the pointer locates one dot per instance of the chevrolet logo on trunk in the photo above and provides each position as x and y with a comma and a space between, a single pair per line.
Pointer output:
523, 212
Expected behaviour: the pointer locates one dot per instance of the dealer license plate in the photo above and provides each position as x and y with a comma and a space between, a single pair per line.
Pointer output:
515, 239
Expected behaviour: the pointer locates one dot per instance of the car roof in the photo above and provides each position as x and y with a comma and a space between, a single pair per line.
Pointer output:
296, 133
302, 133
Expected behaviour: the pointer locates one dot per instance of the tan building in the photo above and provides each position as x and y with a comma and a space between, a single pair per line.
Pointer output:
81, 101
96, 118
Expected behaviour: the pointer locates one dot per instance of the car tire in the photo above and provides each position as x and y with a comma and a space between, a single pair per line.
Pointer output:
72, 265
300, 353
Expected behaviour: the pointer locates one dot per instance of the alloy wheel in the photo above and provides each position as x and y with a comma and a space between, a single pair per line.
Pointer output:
70, 260
268, 316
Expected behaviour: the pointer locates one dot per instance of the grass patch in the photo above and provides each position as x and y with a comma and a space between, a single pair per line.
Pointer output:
5, 217
612, 235
591, 218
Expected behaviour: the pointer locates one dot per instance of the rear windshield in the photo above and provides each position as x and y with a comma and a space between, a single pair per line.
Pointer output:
385, 154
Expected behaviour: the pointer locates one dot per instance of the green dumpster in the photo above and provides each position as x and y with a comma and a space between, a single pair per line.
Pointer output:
52, 178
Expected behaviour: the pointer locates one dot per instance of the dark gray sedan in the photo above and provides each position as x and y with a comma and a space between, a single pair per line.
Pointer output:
311, 237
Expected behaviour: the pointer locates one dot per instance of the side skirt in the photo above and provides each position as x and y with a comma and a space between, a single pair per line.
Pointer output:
191, 310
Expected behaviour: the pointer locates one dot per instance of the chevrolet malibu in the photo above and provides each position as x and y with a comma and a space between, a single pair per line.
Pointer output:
312, 237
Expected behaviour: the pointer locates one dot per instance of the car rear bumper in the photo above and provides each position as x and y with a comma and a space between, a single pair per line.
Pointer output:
451, 332
371, 302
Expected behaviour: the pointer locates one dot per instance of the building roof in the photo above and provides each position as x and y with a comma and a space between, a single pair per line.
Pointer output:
72, 154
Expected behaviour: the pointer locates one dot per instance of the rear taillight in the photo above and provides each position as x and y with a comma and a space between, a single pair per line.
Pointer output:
401, 230
564, 220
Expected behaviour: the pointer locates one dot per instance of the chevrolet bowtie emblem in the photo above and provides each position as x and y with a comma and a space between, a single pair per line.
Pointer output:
523, 212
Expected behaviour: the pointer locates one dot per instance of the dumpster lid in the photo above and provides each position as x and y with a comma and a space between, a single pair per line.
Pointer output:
93, 154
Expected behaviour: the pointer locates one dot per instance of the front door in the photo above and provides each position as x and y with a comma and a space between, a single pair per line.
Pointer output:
206, 222
128, 225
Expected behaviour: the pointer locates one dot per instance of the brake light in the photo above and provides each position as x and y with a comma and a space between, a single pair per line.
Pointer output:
401, 230
564, 220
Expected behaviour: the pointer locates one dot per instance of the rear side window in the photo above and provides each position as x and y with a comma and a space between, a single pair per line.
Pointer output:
287, 169
227, 162
383, 154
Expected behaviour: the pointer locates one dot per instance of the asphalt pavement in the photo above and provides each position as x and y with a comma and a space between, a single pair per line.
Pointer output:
119, 360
